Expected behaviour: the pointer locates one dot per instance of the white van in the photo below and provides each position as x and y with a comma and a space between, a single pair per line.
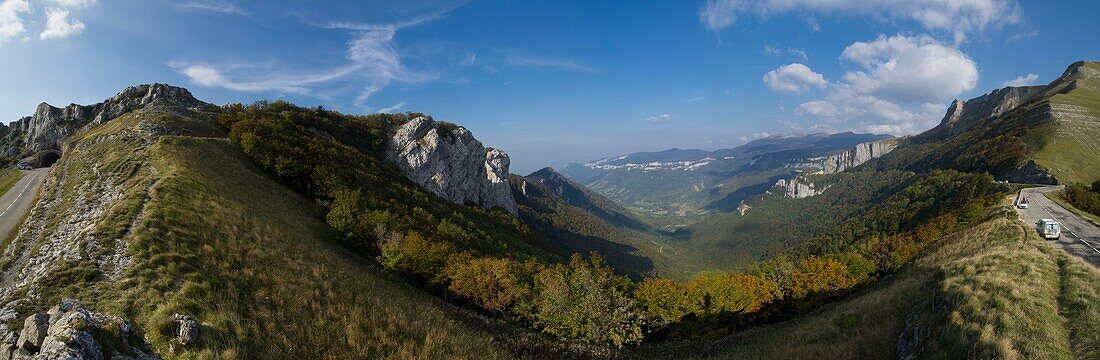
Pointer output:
1049, 228
1023, 204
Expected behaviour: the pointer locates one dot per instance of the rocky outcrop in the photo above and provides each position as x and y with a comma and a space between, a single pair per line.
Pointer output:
798, 187
862, 153
962, 115
49, 125
448, 161
1029, 173
68, 331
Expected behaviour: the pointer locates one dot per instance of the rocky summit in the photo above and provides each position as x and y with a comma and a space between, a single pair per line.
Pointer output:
448, 161
49, 125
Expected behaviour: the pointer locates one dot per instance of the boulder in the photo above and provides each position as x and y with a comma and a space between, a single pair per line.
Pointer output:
65, 332
34, 332
448, 161
188, 330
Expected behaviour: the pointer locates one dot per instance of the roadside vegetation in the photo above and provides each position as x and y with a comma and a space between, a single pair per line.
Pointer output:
1081, 198
8, 178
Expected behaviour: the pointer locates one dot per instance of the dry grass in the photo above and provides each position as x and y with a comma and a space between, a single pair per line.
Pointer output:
211, 236
254, 263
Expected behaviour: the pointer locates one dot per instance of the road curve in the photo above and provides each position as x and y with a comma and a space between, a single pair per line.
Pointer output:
18, 200
1080, 237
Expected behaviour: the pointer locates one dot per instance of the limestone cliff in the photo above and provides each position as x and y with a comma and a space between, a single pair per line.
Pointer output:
962, 115
49, 125
448, 161
798, 187
862, 153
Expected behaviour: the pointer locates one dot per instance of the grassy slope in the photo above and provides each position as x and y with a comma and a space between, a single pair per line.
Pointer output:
249, 258
1071, 148
8, 178
994, 290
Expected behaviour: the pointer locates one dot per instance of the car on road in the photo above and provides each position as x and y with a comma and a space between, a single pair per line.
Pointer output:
1049, 228
1023, 204
23, 166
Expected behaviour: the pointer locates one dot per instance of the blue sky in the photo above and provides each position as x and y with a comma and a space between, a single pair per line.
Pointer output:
556, 81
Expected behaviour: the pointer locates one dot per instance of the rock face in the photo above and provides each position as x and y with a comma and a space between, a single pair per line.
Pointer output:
799, 187
65, 332
1029, 173
862, 153
49, 125
448, 161
964, 114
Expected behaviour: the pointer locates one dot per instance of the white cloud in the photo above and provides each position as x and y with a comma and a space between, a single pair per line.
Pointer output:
392, 108
794, 78
659, 118
11, 23
1025, 80
910, 69
957, 17
372, 63
59, 25
215, 6
900, 87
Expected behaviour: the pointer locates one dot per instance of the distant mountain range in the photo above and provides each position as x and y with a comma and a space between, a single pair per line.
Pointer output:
685, 184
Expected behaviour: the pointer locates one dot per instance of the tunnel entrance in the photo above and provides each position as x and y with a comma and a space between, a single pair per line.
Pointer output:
48, 158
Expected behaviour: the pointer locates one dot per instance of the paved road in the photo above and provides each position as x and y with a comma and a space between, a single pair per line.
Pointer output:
1079, 237
18, 200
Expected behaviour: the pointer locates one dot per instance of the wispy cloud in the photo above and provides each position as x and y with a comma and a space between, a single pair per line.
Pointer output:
392, 108
214, 6
523, 59
659, 118
372, 62
956, 17
788, 52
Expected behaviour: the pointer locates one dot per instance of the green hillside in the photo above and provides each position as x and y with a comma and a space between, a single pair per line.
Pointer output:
994, 290
214, 237
1058, 129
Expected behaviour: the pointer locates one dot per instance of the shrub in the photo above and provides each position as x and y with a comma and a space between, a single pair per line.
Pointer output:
730, 292
818, 275
586, 301
663, 301
502, 285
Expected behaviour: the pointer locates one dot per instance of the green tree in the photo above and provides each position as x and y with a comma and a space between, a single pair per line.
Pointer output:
586, 301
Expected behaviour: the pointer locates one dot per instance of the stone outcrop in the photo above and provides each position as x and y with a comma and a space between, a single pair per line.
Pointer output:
1029, 173
962, 115
66, 332
448, 161
49, 125
187, 330
862, 153
798, 187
